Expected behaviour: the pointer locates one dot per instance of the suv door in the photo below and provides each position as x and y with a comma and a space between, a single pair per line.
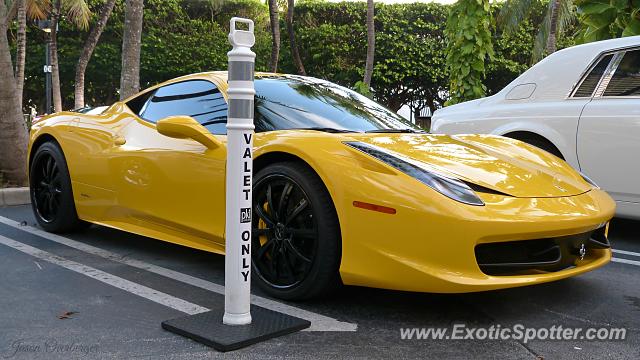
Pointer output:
608, 143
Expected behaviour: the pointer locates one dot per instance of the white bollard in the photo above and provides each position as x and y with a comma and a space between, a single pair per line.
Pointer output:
237, 275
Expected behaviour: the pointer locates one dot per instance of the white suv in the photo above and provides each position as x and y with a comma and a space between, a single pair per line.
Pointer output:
581, 104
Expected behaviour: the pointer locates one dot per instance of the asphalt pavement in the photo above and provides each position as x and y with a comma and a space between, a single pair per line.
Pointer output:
102, 294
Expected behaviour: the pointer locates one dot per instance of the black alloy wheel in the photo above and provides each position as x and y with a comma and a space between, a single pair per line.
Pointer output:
47, 189
51, 193
294, 227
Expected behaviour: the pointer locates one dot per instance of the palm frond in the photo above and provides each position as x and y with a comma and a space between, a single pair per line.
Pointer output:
38, 9
513, 12
78, 12
566, 15
539, 44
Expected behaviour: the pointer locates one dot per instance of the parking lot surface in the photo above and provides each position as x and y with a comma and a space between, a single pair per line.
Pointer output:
102, 293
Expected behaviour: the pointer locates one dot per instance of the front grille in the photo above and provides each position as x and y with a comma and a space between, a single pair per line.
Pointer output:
550, 254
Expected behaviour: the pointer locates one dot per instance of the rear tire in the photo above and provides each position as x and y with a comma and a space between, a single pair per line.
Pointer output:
296, 245
51, 192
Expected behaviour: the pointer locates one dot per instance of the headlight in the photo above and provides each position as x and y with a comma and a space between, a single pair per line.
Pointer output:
588, 179
447, 186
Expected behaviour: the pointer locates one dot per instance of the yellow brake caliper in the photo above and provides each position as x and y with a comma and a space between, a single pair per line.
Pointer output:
263, 225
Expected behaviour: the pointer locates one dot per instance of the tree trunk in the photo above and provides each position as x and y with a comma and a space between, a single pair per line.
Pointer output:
371, 44
431, 104
55, 72
13, 11
274, 20
87, 51
394, 104
21, 42
292, 38
553, 27
131, 43
13, 134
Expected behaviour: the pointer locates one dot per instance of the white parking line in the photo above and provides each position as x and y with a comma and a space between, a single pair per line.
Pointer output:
625, 261
120, 283
625, 252
318, 322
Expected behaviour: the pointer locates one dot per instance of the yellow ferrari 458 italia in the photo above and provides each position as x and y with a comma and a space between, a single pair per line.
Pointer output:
345, 191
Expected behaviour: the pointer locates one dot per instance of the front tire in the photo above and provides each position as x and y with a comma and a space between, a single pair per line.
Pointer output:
51, 193
296, 244
540, 143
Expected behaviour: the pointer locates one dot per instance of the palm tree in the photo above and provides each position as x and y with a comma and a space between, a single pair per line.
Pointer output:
297, 61
87, 51
13, 134
559, 16
55, 71
553, 26
131, 43
25, 9
274, 20
78, 12
21, 45
371, 44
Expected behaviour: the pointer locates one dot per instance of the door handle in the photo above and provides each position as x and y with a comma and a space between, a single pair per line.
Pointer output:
119, 140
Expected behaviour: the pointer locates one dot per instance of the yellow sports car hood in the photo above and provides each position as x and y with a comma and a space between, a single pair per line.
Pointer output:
494, 162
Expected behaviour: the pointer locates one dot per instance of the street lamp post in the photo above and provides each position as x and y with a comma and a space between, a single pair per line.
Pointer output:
45, 25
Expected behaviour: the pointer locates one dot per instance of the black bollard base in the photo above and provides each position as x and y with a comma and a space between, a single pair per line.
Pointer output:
207, 328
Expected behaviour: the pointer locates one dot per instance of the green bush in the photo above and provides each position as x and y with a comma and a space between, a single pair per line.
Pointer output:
606, 19
469, 47
187, 36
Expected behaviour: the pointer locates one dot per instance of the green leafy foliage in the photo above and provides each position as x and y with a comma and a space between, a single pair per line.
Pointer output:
362, 88
187, 36
469, 46
176, 40
513, 13
513, 48
606, 19
409, 60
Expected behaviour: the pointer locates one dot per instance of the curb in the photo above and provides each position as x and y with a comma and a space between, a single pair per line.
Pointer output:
14, 196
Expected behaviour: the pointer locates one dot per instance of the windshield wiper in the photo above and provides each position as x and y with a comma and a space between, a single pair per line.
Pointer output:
326, 129
396, 131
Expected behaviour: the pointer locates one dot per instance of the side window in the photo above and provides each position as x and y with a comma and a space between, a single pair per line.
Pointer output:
137, 103
626, 79
200, 99
590, 82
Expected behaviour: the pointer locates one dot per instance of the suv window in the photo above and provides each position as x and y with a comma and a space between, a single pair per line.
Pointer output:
199, 99
626, 80
591, 81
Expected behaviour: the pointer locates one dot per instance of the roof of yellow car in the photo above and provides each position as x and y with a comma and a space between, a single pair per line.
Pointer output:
219, 76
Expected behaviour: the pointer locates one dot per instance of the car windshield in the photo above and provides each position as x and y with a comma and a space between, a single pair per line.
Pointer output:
295, 102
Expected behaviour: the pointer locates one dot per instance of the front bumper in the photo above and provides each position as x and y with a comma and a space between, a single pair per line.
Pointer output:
430, 246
